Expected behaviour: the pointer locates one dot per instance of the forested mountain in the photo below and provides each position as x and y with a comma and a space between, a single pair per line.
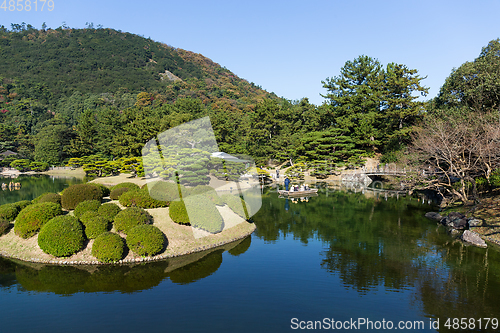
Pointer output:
84, 92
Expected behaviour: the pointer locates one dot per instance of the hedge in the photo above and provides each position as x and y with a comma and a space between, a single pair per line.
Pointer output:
117, 192
33, 217
75, 194
129, 185
140, 198
95, 225
145, 240
8, 212
4, 225
109, 210
108, 247
48, 197
165, 191
203, 214
104, 189
86, 206
88, 215
62, 236
131, 217
235, 203
178, 213
207, 191
22, 204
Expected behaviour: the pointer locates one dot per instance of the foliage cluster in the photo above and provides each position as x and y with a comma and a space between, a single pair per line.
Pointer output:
77, 193
116, 193
33, 217
203, 213
140, 198
108, 247
178, 213
131, 217
95, 224
62, 236
145, 240
85, 206
109, 210
236, 204
9, 212
48, 197
4, 225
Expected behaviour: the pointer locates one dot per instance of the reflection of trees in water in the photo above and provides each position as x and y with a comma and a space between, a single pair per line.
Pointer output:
67, 280
372, 243
35, 185
199, 269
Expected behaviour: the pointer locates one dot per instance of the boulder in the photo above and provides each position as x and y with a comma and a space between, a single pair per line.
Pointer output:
433, 216
460, 224
474, 222
473, 238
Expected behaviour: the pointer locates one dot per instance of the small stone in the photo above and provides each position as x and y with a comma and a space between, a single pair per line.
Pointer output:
474, 222
433, 216
473, 238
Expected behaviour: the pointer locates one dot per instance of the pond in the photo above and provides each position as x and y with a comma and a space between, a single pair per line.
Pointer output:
336, 258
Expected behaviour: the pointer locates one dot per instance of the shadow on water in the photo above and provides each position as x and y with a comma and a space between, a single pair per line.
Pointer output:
67, 280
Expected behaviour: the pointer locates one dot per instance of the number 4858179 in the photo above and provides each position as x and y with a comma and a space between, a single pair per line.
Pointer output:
27, 5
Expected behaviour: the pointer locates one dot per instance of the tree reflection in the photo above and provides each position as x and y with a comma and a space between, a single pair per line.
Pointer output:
374, 242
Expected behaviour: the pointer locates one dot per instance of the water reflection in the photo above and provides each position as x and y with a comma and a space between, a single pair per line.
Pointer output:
67, 280
375, 241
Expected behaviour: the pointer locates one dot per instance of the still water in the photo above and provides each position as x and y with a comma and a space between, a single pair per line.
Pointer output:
339, 256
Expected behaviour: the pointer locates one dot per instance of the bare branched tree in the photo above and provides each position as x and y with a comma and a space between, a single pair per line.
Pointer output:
451, 151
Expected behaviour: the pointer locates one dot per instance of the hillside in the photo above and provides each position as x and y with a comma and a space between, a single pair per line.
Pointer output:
48, 64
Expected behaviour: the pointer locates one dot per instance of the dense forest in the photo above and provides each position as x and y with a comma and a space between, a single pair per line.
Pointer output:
73, 93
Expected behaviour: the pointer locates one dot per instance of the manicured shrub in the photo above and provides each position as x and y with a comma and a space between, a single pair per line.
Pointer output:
104, 189
109, 210
178, 213
75, 194
108, 247
22, 204
129, 185
145, 240
165, 191
61, 236
207, 191
203, 214
235, 203
95, 225
4, 225
140, 198
48, 197
90, 214
8, 212
131, 217
33, 217
117, 192
85, 206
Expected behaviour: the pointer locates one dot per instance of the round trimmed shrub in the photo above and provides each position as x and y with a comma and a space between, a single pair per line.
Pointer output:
108, 247
48, 197
129, 185
22, 204
235, 203
61, 236
140, 198
165, 191
131, 217
95, 225
8, 212
33, 217
178, 213
207, 191
85, 206
4, 225
104, 189
116, 193
203, 214
75, 194
90, 214
145, 240
109, 210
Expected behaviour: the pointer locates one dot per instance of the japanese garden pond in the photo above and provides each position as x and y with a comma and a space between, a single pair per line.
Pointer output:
332, 258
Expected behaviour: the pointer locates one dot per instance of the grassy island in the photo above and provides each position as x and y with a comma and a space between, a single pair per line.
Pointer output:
89, 218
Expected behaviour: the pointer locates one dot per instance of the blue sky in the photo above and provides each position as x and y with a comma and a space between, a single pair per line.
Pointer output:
289, 47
